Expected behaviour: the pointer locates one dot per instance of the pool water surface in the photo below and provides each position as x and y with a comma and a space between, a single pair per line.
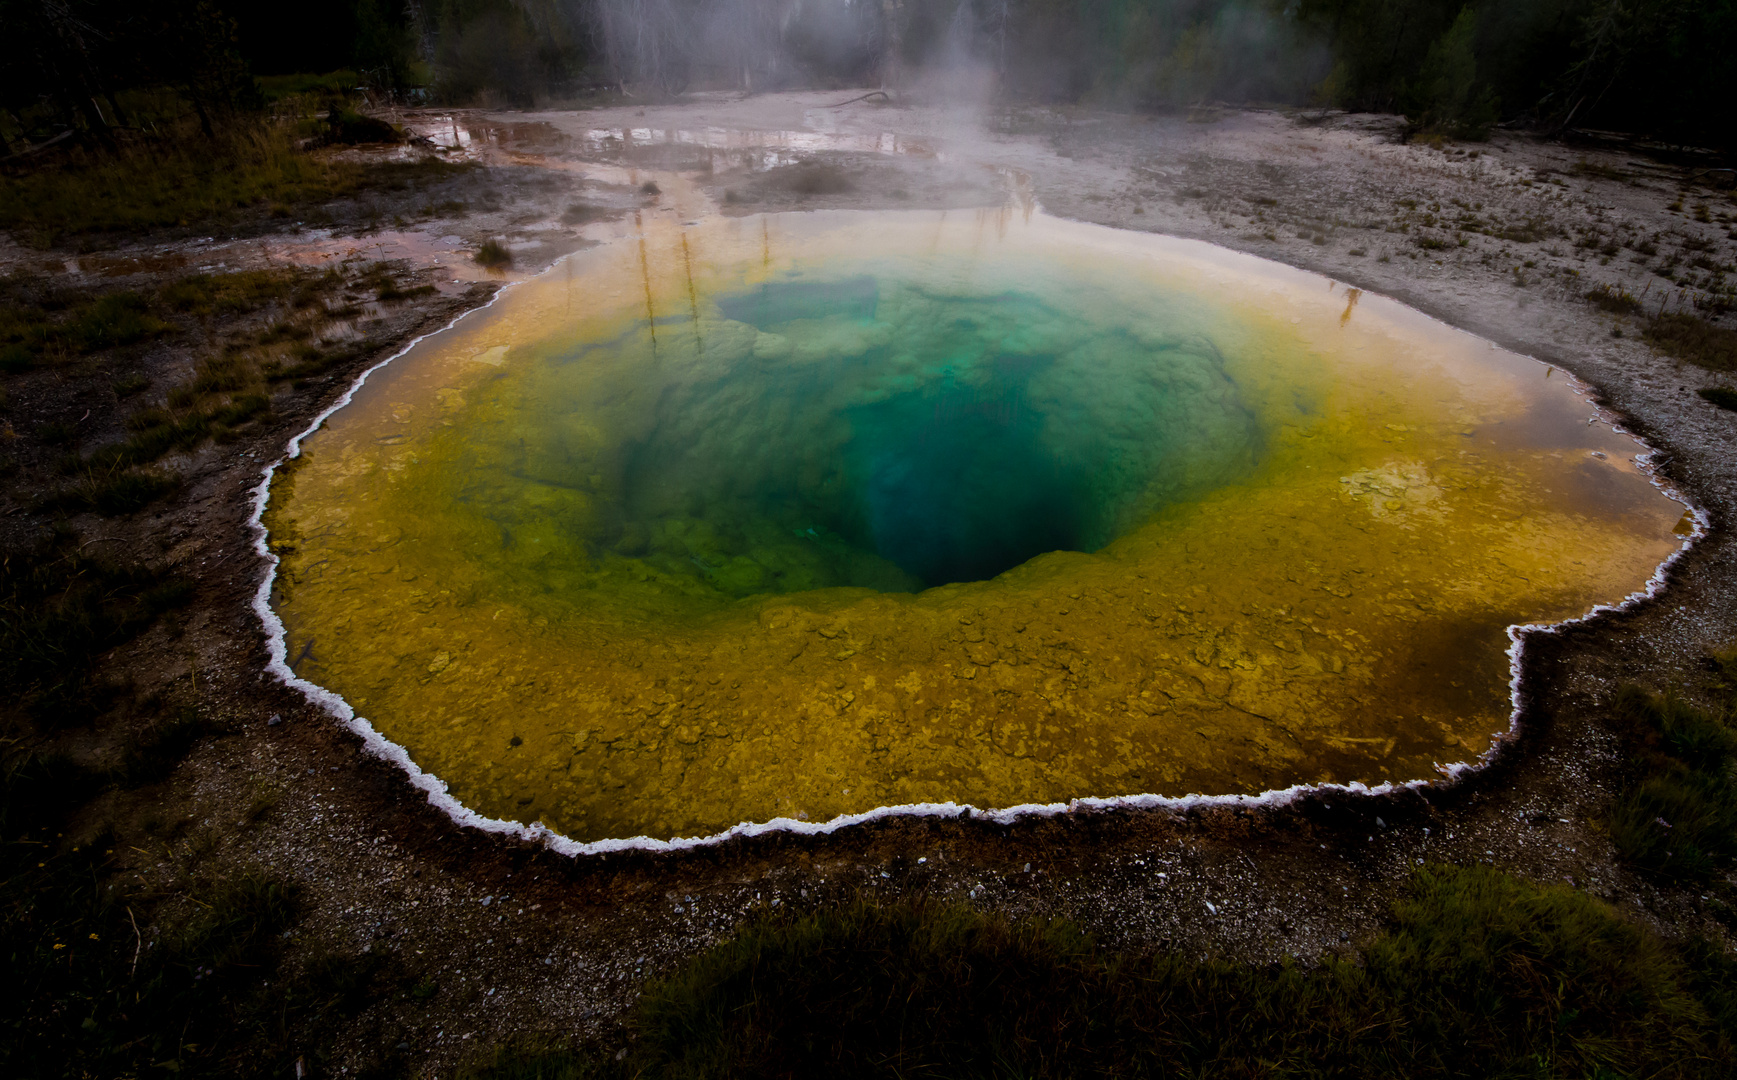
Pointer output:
805, 514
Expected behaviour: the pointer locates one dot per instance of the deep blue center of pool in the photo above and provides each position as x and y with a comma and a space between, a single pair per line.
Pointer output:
876, 433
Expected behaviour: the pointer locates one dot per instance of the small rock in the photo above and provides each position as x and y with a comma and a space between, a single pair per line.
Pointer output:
274, 720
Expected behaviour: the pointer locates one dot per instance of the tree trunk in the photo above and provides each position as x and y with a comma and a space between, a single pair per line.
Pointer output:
893, 46
204, 117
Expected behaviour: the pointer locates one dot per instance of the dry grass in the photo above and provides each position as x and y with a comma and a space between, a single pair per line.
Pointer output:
186, 182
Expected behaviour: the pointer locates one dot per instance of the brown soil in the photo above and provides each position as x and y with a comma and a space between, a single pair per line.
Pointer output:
520, 940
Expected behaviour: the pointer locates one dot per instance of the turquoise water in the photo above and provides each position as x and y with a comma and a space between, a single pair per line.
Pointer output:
940, 436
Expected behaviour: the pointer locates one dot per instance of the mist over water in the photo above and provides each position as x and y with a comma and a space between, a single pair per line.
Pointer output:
1453, 69
965, 52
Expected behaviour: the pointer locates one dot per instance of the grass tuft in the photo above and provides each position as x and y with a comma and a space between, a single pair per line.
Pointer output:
1678, 819
1617, 301
113, 490
494, 255
151, 757
58, 610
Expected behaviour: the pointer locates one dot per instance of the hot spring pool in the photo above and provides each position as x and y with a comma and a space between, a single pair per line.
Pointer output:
806, 514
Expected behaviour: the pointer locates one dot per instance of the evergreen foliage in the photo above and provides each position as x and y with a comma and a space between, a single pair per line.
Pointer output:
1655, 67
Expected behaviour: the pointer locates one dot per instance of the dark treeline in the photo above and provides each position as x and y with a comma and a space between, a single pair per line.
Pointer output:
1663, 68
69, 66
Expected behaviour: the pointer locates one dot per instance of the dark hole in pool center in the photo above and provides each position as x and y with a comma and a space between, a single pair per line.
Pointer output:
935, 454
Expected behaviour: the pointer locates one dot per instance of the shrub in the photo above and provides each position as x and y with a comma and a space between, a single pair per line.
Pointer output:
1481, 974
1615, 300
351, 129
1447, 97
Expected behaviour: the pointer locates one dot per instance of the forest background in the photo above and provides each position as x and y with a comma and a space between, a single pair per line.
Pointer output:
87, 68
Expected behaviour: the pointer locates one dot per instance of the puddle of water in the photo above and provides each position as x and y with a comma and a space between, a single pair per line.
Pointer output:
712, 148
472, 135
725, 147
643, 548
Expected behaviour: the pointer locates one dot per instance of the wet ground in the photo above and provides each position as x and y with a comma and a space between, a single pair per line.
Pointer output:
518, 939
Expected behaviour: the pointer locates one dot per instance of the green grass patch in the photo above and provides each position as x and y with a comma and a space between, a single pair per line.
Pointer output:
229, 294
59, 609
41, 323
121, 318
44, 328
1692, 338
1722, 396
310, 361
157, 431
1678, 818
110, 977
228, 390
1480, 974
153, 754
187, 182
81, 1006
278, 87
114, 491
128, 385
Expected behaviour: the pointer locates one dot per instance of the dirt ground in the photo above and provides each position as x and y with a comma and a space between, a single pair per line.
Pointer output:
516, 939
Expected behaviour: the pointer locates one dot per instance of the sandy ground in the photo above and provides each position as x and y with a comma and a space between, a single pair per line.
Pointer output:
519, 940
